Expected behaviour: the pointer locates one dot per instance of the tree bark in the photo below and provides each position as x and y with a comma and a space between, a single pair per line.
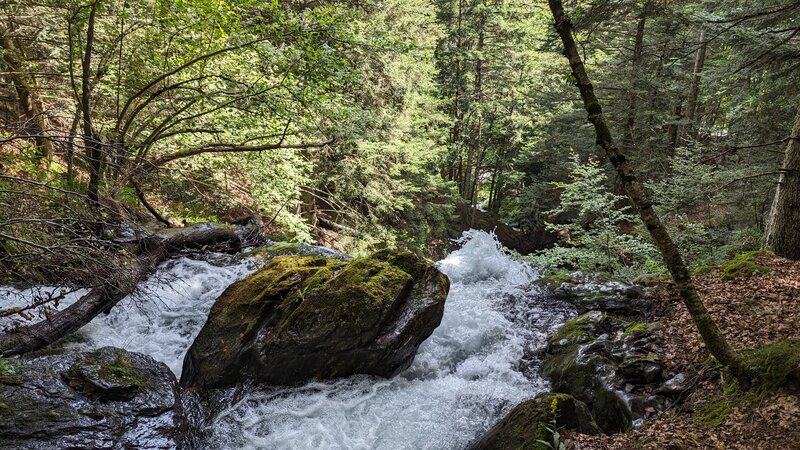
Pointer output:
27, 95
710, 332
783, 226
94, 147
628, 139
153, 249
694, 90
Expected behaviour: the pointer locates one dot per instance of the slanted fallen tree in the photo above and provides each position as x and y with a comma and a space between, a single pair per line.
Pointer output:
150, 250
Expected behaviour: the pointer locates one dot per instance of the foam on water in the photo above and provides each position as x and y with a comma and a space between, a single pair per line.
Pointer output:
161, 319
167, 312
467, 374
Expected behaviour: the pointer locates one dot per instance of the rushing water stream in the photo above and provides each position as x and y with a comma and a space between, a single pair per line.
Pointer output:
477, 364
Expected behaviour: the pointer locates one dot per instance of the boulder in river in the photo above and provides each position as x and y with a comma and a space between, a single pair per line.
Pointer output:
313, 317
108, 398
608, 363
533, 421
593, 293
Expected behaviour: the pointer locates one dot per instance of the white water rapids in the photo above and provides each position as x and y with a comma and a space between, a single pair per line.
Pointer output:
475, 366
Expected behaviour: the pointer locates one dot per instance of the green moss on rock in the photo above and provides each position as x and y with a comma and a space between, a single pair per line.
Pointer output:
531, 423
580, 330
555, 280
636, 327
773, 365
744, 264
303, 317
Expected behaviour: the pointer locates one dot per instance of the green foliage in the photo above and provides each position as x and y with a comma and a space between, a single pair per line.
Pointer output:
597, 242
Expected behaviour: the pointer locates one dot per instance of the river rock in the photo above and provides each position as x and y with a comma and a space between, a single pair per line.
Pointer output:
273, 249
588, 293
108, 398
313, 317
527, 423
608, 363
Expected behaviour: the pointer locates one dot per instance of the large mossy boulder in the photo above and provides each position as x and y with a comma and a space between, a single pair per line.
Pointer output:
305, 317
109, 398
533, 421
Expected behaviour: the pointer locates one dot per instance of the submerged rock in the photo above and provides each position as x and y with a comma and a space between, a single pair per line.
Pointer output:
305, 317
108, 398
534, 420
610, 364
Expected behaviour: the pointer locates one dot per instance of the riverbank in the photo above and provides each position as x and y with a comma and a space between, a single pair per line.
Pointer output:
756, 308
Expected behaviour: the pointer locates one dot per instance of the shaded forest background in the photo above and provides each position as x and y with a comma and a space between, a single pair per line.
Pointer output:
367, 124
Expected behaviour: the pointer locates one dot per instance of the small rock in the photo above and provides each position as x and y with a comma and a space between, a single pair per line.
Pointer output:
674, 386
640, 370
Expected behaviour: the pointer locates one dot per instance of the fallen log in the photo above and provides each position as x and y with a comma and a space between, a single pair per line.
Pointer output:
152, 250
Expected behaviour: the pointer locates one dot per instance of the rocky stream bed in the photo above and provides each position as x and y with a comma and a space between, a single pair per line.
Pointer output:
299, 347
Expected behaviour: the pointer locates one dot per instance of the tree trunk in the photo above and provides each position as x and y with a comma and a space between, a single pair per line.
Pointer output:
94, 147
710, 332
27, 95
628, 140
153, 250
73, 131
308, 206
694, 90
783, 227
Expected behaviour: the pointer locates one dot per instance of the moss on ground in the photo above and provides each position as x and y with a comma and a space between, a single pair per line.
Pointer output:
744, 264
713, 413
773, 365
704, 268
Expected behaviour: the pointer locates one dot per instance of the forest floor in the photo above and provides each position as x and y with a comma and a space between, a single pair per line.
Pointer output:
752, 311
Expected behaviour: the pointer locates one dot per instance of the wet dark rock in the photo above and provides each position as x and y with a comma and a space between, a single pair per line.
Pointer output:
595, 294
306, 317
527, 423
274, 249
109, 398
610, 364
674, 386
641, 370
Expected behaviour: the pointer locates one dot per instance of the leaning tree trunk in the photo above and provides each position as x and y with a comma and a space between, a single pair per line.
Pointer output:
153, 250
710, 332
783, 227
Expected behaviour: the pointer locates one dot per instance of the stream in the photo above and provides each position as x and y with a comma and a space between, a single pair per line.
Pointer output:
480, 362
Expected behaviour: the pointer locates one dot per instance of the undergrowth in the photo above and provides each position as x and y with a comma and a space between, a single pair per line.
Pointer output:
772, 367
